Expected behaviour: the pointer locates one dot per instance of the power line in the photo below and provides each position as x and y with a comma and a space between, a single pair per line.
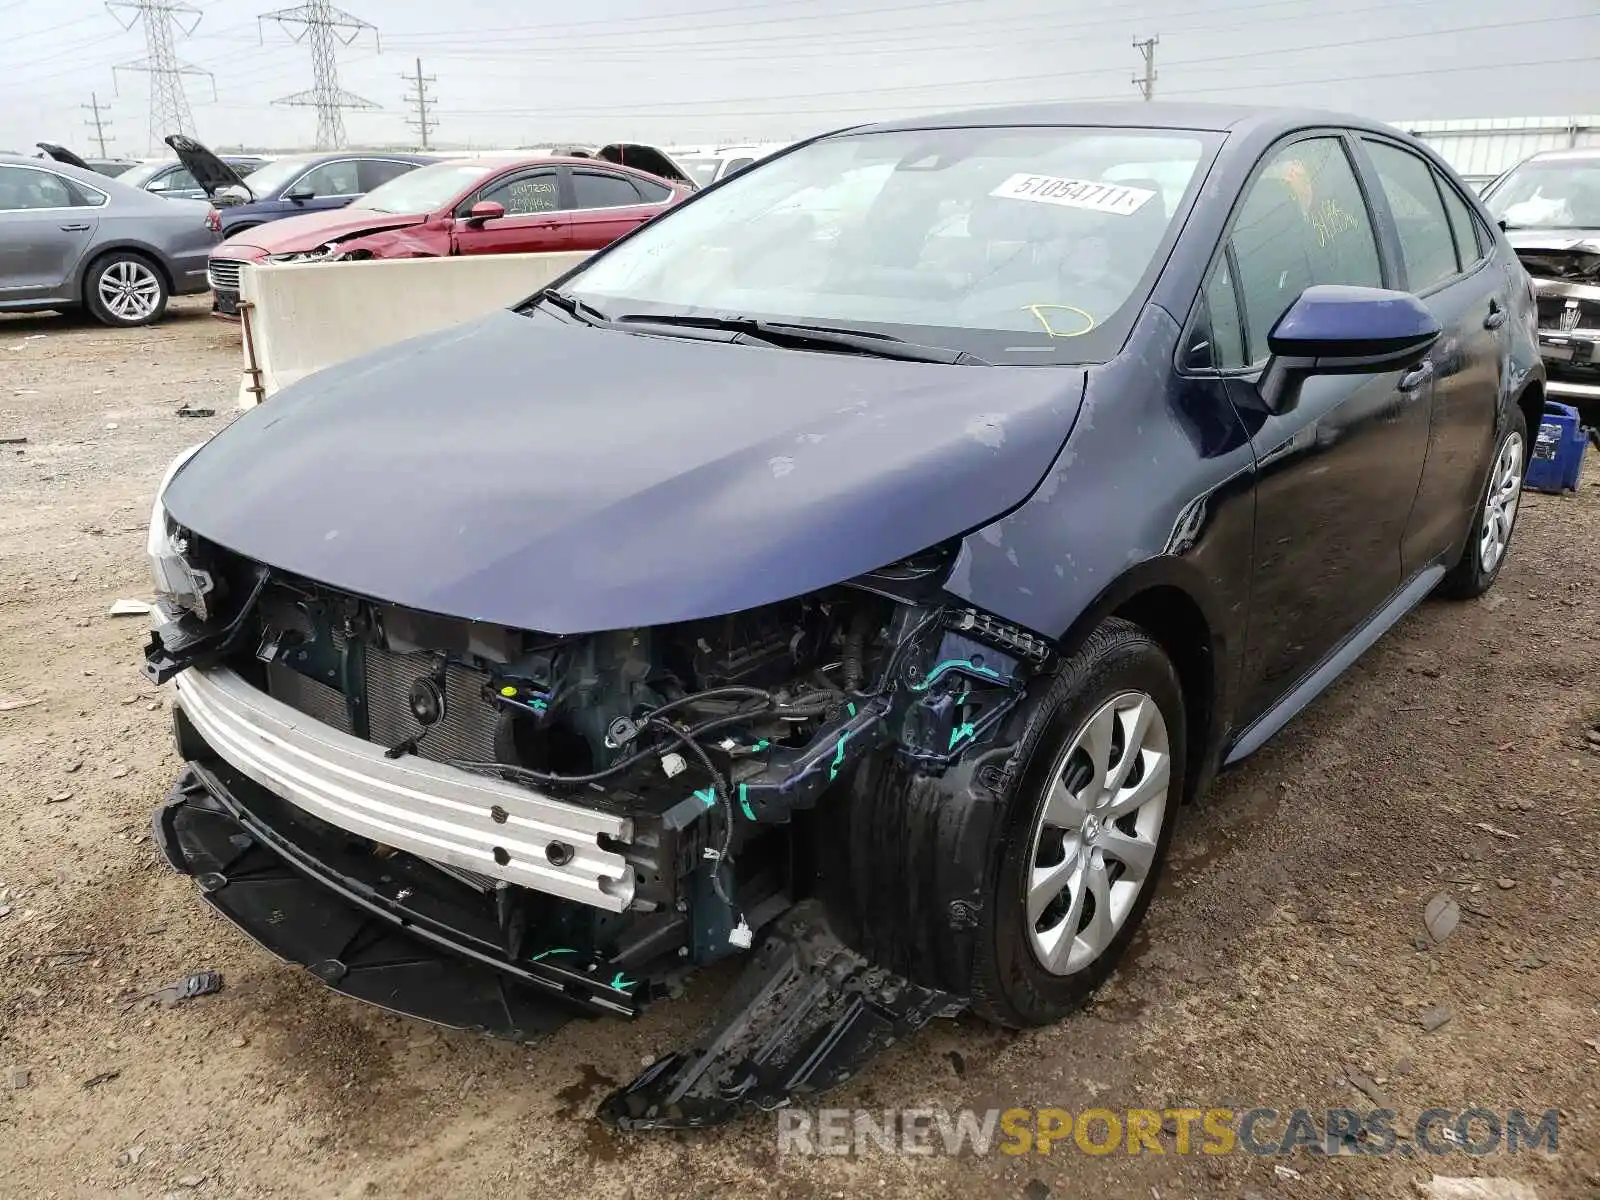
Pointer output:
325, 27
423, 124
169, 107
1146, 83
100, 126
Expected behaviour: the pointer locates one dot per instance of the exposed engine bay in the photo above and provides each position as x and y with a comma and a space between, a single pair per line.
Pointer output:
710, 741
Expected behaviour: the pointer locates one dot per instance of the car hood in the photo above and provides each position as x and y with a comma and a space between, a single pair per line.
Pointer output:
529, 473
1570, 254
209, 171
295, 235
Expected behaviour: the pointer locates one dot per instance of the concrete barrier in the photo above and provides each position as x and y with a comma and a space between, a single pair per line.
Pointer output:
299, 318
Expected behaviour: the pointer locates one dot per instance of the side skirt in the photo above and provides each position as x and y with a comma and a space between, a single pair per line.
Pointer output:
1335, 665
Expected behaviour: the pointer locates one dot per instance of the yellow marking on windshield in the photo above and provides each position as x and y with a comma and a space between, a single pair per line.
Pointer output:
1088, 319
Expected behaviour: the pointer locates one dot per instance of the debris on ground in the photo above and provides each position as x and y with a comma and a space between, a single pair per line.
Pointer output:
95, 1081
187, 411
1476, 1187
200, 983
1435, 1017
130, 1157
1283, 1172
58, 798
13, 441
191, 1181
130, 608
1369, 1088
20, 1078
1441, 917
12, 703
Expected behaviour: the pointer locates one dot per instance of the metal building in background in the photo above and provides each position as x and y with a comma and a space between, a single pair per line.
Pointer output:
1482, 148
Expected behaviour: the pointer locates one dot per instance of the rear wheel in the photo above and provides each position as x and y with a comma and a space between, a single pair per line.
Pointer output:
125, 289
1485, 551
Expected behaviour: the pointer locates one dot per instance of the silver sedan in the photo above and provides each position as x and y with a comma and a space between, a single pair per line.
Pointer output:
71, 238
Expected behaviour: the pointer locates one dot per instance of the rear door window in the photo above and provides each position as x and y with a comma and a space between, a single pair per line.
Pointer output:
591, 189
1419, 216
1469, 249
1303, 221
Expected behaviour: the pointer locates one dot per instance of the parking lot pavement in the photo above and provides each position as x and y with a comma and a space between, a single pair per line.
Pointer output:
1281, 967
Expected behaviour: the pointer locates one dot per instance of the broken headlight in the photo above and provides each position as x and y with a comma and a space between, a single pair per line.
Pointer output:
168, 547
325, 253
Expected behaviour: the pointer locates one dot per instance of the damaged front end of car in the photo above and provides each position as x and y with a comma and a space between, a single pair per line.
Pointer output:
499, 829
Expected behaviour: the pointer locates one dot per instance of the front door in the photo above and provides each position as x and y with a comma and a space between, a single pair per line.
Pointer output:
46, 226
331, 185
536, 219
1447, 267
1338, 470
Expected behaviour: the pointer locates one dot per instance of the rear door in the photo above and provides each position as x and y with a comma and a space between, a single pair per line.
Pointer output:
536, 220
607, 205
1445, 264
47, 224
1338, 471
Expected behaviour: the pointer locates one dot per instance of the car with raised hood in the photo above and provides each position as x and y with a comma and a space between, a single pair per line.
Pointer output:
864, 583
169, 178
1549, 206
110, 167
287, 186
71, 238
461, 206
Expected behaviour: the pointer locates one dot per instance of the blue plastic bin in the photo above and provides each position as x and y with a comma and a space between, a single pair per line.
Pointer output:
1557, 450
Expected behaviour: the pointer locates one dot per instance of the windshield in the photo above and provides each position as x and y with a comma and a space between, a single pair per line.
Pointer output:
425, 189
960, 238
702, 170
142, 174
1549, 194
269, 178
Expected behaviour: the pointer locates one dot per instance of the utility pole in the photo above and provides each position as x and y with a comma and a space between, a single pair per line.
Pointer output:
326, 28
1146, 83
169, 107
100, 126
424, 124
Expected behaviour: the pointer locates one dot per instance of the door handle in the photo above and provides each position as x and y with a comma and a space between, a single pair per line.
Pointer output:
1416, 377
1496, 317
73, 228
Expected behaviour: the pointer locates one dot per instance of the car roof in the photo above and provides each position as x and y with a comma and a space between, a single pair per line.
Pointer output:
1124, 114
1576, 154
92, 178
537, 160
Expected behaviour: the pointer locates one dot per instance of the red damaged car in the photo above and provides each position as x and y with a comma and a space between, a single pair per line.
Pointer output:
463, 206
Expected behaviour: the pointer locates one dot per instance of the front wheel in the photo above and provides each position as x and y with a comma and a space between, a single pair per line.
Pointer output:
1485, 551
1089, 815
125, 289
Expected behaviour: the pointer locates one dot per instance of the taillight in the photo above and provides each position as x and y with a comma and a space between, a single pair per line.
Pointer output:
214, 221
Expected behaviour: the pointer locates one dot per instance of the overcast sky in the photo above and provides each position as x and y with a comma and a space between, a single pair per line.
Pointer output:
518, 73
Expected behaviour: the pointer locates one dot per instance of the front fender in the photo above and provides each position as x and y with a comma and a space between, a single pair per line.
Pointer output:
412, 242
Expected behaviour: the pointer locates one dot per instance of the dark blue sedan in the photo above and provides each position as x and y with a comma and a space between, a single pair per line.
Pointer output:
860, 563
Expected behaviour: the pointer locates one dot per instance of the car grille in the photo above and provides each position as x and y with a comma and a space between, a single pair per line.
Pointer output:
466, 730
1552, 309
224, 273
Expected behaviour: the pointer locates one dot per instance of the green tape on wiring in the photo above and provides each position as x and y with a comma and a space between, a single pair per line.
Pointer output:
744, 804
706, 796
838, 759
761, 745
619, 984
959, 733
548, 953
950, 664
852, 709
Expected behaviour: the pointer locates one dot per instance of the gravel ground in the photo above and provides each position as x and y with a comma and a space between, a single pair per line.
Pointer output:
1287, 956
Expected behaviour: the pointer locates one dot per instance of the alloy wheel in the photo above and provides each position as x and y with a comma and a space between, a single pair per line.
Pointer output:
1094, 845
129, 290
1500, 506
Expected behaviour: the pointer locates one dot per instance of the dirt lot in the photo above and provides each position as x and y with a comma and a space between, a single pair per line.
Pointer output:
1282, 960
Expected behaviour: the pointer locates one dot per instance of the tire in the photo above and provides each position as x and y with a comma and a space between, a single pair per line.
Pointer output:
1495, 516
1117, 681
125, 289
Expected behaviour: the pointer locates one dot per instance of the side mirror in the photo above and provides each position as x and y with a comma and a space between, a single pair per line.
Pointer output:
1337, 330
485, 210
298, 194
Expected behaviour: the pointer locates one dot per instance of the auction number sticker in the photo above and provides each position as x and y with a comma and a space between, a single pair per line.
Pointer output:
1075, 193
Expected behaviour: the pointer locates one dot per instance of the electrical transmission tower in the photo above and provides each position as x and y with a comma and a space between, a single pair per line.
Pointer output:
96, 122
1146, 83
169, 107
326, 28
423, 124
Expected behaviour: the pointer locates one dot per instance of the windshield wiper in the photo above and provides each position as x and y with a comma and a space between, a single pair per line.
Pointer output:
571, 305
786, 333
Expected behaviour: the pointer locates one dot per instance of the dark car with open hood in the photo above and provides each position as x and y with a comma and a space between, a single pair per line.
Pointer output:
1549, 206
854, 568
